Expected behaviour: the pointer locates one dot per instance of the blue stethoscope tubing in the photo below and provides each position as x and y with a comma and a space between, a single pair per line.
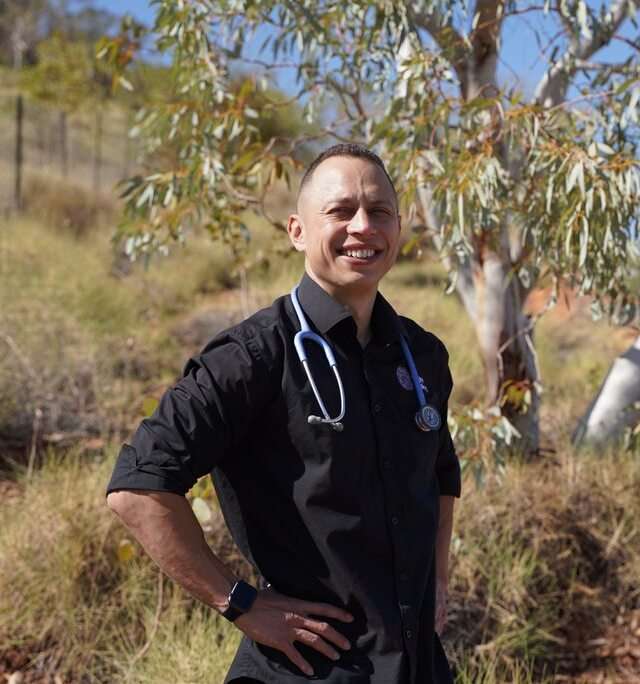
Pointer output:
427, 417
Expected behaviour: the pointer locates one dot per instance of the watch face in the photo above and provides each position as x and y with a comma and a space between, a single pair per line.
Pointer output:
242, 596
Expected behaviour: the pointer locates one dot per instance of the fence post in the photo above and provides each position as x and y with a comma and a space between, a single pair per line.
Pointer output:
19, 155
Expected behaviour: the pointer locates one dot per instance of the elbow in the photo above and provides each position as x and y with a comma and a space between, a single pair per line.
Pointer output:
120, 502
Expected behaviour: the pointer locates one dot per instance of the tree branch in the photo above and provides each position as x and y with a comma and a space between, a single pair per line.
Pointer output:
554, 84
450, 42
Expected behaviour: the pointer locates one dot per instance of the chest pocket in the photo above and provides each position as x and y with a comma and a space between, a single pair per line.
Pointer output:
420, 448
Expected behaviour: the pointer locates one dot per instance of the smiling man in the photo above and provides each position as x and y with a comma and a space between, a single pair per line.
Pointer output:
347, 516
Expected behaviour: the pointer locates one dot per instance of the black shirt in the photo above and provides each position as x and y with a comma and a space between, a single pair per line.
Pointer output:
347, 518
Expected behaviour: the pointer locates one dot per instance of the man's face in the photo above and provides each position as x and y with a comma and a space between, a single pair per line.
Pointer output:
347, 225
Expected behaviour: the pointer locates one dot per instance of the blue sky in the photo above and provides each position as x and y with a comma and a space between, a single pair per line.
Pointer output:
521, 61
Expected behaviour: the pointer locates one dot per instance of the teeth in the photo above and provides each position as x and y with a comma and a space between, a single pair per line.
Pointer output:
360, 253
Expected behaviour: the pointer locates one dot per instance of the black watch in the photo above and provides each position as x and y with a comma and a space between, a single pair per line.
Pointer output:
241, 598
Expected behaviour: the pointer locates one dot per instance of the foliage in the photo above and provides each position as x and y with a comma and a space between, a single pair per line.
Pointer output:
566, 176
484, 438
61, 74
81, 339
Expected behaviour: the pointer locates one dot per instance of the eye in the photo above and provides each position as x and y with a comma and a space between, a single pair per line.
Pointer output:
341, 212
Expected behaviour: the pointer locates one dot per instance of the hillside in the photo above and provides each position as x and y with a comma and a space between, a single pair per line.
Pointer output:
546, 555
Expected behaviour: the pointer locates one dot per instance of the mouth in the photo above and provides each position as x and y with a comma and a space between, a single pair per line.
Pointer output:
360, 254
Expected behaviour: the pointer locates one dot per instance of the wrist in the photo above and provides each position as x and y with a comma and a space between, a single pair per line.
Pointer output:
239, 601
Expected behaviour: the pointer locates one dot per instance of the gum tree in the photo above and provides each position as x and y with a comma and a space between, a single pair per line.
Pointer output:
513, 192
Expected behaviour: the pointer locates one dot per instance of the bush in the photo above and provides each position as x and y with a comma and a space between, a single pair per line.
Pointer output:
67, 206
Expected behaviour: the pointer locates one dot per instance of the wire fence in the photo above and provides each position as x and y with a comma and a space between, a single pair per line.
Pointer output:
90, 149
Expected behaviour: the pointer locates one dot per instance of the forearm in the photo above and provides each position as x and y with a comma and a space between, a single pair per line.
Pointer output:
169, 532
443, 538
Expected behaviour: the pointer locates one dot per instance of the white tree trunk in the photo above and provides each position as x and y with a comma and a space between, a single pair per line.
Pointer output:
505, 337
504, 333
613, 408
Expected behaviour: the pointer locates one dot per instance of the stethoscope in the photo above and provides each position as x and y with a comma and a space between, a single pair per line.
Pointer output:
427, 417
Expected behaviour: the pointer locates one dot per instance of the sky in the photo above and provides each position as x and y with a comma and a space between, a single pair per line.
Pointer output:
521, 63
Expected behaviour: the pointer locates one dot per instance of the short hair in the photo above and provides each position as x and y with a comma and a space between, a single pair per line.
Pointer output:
344, 150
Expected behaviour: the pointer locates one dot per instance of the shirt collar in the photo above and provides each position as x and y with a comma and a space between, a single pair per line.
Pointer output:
319, 306
325, 312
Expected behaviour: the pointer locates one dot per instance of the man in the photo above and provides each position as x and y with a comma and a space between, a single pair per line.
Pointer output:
349, 527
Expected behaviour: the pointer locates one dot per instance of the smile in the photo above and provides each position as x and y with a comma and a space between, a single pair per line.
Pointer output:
364, 254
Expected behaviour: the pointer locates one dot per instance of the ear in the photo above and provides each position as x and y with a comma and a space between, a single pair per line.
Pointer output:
295, 229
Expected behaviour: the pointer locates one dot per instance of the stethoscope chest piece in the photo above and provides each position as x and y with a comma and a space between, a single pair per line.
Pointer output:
428, 418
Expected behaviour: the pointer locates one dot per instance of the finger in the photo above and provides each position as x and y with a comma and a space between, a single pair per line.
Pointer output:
324, 609
294, 656
327, 632
317, 642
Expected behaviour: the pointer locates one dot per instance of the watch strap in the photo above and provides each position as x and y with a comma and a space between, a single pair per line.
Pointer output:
241, 598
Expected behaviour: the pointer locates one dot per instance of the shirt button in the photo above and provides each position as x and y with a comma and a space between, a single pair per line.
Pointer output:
386, 464
377, 408
408, 634
395, 520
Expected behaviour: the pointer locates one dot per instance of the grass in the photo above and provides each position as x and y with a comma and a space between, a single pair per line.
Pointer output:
545, 558
80, 341
543, 561
71, 603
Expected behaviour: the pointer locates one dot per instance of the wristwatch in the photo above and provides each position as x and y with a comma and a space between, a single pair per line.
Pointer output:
241, 598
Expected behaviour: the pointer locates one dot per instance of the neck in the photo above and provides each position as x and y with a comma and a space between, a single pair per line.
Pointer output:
359, 302
361, 311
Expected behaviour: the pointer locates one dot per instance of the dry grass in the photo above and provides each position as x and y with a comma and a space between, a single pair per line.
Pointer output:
70, 606
80, 341
545, 561
65, 206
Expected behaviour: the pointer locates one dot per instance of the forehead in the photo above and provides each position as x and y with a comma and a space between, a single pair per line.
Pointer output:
347, 178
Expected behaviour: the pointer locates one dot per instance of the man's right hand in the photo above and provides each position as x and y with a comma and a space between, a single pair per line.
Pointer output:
277, 621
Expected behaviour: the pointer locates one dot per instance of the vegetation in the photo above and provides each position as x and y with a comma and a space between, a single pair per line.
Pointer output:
546, 556
545, 573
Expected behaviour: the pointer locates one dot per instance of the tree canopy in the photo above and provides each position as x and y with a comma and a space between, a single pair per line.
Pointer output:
513, 189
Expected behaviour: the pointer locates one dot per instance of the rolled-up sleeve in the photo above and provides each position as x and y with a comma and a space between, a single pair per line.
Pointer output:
198, 422
447, 463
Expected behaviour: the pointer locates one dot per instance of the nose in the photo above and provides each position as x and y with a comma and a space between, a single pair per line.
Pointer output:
361, 222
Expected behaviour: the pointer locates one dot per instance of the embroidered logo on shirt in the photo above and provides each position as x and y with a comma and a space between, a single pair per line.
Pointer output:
404, 378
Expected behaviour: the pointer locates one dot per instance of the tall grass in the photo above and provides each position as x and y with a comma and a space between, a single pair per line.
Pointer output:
543, 561
79, 608
78, 339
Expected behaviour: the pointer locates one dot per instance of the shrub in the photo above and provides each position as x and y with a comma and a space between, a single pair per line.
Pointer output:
67, 206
